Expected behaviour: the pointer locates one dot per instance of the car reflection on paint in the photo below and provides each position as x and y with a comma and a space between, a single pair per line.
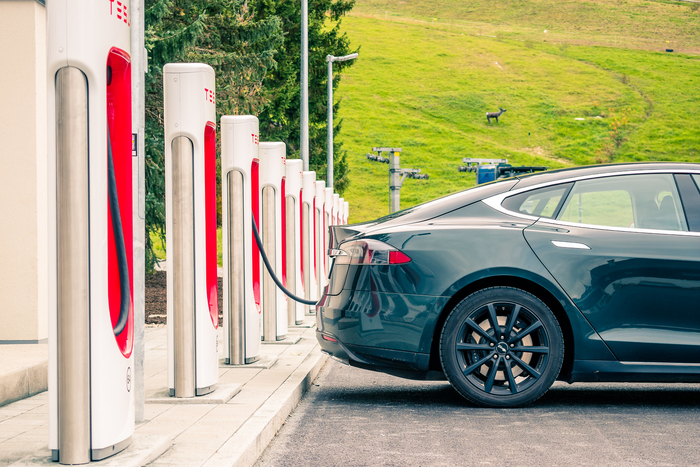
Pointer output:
584, 274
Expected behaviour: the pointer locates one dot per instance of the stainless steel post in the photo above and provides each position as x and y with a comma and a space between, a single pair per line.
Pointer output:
305, 83
181, 256
73, 288
329, 149
290, 245
236, 274
269, 286
394, 181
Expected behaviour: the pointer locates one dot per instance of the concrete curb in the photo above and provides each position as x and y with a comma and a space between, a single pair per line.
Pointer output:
24, 383
245, 447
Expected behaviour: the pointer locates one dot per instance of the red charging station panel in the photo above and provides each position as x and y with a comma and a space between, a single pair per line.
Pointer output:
255, 198
119, 123
210, 207
283, 223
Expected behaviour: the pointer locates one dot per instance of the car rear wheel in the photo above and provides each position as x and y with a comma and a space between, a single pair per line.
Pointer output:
501, 347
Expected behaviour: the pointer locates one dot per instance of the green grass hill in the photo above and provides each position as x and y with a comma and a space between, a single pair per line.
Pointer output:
597, 87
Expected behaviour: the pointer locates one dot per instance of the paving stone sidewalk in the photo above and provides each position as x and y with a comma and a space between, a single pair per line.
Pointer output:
193, 434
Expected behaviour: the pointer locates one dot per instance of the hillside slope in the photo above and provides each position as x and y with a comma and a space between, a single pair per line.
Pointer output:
427, 89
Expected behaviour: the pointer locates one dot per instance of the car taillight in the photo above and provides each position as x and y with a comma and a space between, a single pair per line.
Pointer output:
372, 252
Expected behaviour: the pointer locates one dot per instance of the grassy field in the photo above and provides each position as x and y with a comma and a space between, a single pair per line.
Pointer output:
655, 24
426, 89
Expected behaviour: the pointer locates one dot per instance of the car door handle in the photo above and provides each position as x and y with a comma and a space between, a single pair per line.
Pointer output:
572, 245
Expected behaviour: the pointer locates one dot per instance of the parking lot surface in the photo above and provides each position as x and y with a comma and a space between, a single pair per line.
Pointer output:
353, 417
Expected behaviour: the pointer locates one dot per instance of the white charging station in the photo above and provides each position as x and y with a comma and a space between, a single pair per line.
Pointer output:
327, 222
308, 249
293, 238
190, 211
341, 211
346, 213
240, 186
90, 300
272, 192
336, 207
320, 208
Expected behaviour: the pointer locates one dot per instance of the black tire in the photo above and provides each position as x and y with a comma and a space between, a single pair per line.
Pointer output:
501, 347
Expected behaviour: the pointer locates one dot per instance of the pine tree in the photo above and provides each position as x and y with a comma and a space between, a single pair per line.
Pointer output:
221, 33
280, 119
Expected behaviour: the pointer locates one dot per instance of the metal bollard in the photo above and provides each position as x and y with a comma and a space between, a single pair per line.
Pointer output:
73, 276
318, 237
336, 207
272, 172
190, 208
328, 221
182, 266
295, 310
308, 252
239, 151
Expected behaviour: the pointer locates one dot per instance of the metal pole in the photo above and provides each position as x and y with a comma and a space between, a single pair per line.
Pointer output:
269, 288
305, 83
138, 119
236, 273
73, 257
182, 266
394, 181
329, 159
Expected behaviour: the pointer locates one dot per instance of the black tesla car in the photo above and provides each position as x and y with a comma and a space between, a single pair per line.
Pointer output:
583, 274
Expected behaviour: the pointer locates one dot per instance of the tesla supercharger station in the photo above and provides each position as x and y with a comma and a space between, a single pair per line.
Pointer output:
308, 235
318, 236
341, 211
190, 211
293, 238
91, 325
240, 191
346, 213
272, 230
336, 207
327, 222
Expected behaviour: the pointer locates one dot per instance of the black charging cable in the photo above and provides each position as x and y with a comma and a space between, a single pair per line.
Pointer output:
118, 231
272, 273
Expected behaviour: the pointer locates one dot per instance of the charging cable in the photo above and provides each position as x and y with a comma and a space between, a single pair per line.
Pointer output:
272, 273
118, 232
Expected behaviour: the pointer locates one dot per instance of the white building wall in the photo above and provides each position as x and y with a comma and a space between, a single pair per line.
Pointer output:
23, 196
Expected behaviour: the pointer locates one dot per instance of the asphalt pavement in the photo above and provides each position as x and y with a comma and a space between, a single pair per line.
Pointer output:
354, 417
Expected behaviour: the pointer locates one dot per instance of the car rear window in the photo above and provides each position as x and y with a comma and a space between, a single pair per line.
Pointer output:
544, 202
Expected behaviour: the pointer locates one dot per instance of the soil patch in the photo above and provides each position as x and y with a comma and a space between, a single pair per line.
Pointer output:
157, 294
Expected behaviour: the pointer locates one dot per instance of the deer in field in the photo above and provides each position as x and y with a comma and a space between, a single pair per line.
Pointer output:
490, 115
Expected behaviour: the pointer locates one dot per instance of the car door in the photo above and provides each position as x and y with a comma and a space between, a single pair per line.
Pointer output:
621, 248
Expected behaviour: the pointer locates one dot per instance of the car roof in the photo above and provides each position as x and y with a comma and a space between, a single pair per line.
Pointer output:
440, 206
571, 172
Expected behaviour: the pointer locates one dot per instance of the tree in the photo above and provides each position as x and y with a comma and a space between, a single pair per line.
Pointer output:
280, 118
221, 33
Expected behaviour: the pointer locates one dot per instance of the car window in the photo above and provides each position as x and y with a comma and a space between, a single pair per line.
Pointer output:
697, 180
634, 201
541, 203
